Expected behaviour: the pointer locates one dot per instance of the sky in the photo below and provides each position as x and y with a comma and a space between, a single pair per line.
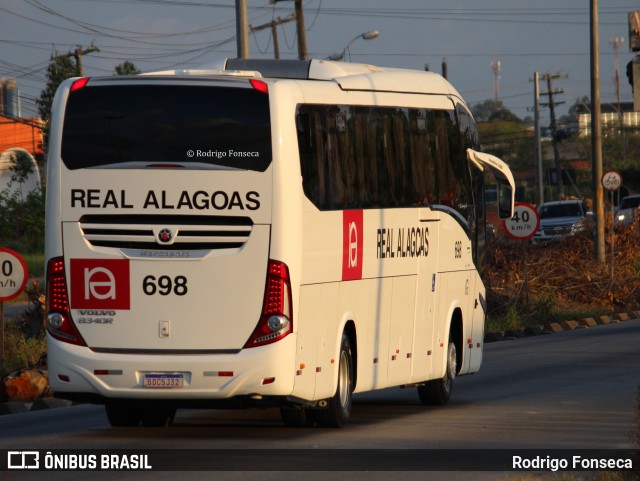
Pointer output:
524, 36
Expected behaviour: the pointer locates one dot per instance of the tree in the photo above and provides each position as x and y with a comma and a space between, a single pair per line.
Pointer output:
126, 68
504, 114
484, 110
60, 68
21, 216
507, 139
21, 167
581, 104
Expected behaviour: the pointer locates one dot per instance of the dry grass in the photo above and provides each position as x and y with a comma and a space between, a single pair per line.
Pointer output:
536, 283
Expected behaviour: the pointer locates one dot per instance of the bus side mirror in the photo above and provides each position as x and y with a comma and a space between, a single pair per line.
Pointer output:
505, 201
503, 176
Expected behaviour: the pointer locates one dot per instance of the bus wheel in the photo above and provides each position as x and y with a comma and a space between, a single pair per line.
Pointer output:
438, 391
157, 416
121, 415
336, 414
296, 417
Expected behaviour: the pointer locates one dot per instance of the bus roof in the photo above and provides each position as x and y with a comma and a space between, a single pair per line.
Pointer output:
349, 76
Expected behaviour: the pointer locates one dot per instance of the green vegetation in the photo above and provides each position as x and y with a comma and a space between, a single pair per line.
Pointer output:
35, 263
25, 339
21, 216
126, 68
21, 351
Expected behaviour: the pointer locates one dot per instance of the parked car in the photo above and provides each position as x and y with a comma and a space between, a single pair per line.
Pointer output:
626, 211
560, 218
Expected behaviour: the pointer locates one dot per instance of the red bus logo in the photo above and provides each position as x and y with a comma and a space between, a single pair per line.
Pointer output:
352, 244
100, 284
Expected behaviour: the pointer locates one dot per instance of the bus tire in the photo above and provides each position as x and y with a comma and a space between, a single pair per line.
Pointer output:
122, 415
438, 391
296, 417
337, 413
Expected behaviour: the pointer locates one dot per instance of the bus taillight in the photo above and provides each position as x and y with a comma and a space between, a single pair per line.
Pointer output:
276, 320
78, 84
259, 85
59, 323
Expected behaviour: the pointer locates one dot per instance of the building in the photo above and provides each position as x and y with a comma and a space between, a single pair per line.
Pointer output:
610, 118
9, 98
22, 134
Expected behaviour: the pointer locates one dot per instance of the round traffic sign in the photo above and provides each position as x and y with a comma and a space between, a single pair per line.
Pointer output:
13, 274
612, 180
524, 224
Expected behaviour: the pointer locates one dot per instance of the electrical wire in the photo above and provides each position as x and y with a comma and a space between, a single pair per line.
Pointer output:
183, 48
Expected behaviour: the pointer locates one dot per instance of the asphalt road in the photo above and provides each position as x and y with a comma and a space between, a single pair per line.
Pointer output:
572, 390
14, 309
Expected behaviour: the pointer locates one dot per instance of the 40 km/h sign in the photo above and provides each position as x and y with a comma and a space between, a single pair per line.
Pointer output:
525, 222
13, 274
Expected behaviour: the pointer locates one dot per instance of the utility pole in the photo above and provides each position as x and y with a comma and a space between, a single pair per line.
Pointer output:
302, 38
596, 136
554, 128
79, 52
242, 32
536, 102
615, 43
274, 31
495, 66
633, 67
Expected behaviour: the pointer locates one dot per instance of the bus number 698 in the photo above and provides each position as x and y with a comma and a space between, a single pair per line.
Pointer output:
164, 285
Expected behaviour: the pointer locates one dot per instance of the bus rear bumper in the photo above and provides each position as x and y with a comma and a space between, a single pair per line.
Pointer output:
245, 377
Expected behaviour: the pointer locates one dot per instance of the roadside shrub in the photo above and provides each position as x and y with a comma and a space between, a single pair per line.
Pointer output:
25, 343
22, 221
21, 351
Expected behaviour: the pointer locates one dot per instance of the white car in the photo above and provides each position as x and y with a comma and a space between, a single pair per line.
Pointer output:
559, 219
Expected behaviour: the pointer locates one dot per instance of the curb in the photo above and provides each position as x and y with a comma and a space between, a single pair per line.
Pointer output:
555, 327
15, 407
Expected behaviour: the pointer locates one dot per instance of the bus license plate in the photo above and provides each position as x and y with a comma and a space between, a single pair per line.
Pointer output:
163, 380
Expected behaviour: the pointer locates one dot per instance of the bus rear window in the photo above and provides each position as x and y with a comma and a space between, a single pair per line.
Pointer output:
167, 124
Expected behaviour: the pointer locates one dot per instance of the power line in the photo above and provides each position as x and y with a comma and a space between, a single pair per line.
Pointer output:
273, 25
147, 46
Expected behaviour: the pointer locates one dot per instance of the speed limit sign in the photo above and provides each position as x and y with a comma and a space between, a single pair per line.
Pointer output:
525, 222
13, 274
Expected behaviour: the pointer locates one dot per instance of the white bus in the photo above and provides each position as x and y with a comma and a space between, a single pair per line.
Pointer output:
269, 233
